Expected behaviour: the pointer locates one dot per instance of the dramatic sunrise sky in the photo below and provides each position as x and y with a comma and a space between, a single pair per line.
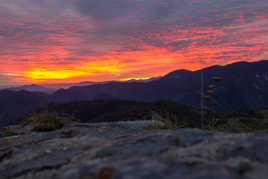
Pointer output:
58, 41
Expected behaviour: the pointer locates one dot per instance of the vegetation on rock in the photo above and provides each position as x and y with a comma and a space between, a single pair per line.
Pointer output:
46, 121
6, 132
171, 114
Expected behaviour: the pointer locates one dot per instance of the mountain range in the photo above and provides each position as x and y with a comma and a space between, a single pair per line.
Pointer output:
15, 104
244, 85
32, 88
51, 88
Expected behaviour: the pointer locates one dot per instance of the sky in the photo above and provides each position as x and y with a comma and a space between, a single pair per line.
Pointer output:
63, 41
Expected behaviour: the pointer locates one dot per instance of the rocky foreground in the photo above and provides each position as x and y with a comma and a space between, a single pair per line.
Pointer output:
131, 150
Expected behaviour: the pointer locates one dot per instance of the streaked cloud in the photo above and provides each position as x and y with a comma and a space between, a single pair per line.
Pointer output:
99, 40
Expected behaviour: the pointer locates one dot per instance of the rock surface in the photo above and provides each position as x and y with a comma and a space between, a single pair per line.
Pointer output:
130, 150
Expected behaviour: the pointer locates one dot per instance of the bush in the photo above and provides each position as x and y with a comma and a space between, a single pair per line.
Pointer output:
46, 121
169, 121
5, 132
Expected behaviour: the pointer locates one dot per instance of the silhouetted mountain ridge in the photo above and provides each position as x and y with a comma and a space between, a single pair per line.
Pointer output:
32, 88
14, 104
244, 86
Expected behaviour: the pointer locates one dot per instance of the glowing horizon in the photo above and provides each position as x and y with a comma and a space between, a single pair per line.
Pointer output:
79, 40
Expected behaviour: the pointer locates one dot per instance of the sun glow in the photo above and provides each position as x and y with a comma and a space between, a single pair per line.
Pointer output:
127, 79
43, 74
81, 70
101, 66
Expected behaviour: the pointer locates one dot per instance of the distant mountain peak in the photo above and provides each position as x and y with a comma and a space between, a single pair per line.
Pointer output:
236, 91
177, 73
32, 88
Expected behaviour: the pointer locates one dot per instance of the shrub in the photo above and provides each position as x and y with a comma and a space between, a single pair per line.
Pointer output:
45, 121
6, 132
242, 125
167, 121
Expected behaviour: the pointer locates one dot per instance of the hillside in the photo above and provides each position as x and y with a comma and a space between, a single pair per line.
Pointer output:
15, 104
118, 110
32, 88
244, 86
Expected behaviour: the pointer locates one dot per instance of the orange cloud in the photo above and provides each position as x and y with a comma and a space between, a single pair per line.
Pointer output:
75, 43
80, 70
